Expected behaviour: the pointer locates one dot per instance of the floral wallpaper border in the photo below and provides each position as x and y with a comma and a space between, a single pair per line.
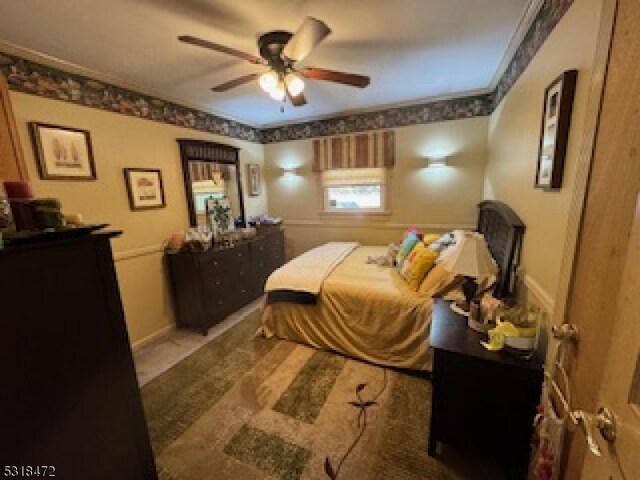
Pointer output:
550, 14
454, 109
37, 79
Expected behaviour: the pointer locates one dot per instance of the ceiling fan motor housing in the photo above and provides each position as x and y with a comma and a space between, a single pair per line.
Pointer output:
271, 45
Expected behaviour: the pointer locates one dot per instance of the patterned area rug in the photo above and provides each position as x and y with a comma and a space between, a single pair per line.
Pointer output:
244, 407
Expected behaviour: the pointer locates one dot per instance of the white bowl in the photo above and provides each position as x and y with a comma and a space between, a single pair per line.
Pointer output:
520, 343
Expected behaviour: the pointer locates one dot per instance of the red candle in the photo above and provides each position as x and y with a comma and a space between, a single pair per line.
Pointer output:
18, 190
20, 196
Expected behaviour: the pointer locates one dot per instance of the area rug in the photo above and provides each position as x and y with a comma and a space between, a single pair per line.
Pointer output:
243, 407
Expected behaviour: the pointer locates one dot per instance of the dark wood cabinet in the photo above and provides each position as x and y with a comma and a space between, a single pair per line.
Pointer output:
209, 286
483, 401
70, 398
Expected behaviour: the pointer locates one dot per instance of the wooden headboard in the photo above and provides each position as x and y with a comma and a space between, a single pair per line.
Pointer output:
503, 231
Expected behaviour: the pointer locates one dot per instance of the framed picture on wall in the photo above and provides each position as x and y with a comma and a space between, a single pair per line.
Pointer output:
253, 175
62, 153
554, 134
144, 187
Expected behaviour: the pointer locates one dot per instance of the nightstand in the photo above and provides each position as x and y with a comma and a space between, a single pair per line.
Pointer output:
482, 401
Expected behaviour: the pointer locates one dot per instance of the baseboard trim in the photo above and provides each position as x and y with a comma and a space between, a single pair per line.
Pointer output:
546, 300
138, 344
138, 252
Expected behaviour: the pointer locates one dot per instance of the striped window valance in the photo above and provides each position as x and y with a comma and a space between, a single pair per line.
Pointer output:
365, 150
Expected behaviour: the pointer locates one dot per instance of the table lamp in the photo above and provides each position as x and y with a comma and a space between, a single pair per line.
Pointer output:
470, 258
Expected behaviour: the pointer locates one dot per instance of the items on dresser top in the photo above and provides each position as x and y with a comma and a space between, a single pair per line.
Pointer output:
30, 214
208, 286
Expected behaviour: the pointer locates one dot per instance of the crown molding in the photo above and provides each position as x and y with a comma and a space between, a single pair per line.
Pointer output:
529, 16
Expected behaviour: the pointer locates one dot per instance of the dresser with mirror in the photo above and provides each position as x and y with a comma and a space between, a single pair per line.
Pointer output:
208, 286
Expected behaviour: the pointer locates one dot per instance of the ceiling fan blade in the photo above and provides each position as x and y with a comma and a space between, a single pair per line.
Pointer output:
223, 87
309, 34
297, 101
352, 79
199, 42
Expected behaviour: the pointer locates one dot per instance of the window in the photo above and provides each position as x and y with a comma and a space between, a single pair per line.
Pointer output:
355, 190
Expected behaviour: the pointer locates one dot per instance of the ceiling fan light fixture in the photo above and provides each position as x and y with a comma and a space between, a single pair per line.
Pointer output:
269, 81
278, 92
294, 83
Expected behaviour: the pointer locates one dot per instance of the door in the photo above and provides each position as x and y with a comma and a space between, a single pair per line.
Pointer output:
620, 389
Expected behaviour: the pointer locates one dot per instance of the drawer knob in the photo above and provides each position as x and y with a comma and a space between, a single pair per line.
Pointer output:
217, 282
215, 262
239, 254
219, 302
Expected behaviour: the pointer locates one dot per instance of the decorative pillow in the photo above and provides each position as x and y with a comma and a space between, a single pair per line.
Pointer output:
456, 238
417, 264
438, 282
429, 238
443, 241
410, 241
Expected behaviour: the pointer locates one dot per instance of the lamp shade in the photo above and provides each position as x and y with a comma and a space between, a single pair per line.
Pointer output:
470, 257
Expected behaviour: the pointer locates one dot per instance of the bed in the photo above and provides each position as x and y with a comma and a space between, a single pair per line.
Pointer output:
367, 311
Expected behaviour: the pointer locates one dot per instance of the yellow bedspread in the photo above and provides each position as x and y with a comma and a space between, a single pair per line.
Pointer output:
364, 311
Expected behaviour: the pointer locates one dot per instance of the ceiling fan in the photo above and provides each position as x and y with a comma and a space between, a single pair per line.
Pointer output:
280, 51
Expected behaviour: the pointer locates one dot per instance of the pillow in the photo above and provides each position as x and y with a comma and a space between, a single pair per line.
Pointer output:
443, 241
429, 238
438, 282
410, 241
456, 238
417, 264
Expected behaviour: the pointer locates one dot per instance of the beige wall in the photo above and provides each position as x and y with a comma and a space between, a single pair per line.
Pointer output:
514, 130
432, 198
120, 141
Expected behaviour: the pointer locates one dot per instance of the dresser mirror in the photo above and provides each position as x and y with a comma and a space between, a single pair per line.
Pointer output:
212, 177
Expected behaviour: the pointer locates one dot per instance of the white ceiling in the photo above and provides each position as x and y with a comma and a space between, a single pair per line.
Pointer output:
412, 49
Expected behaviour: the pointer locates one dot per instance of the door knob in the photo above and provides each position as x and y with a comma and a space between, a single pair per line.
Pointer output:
604, 421
565, 332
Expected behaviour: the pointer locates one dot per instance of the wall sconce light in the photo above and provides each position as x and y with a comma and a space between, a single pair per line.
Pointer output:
437, 161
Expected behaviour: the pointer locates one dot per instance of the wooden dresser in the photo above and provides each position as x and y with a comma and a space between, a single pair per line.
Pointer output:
209, 286
70, 402
482, 401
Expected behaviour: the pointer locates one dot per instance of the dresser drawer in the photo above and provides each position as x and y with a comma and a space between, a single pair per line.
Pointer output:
210, 286
225, 258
